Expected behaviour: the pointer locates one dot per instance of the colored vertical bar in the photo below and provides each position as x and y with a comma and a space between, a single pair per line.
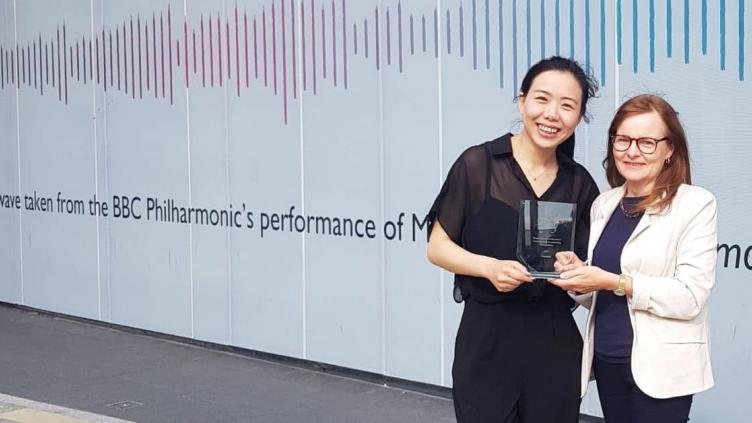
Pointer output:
686, 31
313, 46
2, 68
475, 37
528, 33
618, 32
571, 30
284, 61
228, 51
185, 50
255, 49
501, 44
211, 50
294, 51
263, 41
436, 32
245, 46
125, 58
237, 54
669, 29
365, 37
514, 44
65, 65
162, 51
704, 23
557, 27
399, 34
147, 70
462, 32
488, 37
376, 38
303, 45
587, 34
741, 40
133, 61
448, 33
83, 56
117, 48
388, 38
334, 45
412, 35
603, 43
723, 34
219, 48
274, 50
651, 20
344, 44
203, 62
96, 54
78, 62
169, 49
543, 29
323, 43
635, 36
423, 23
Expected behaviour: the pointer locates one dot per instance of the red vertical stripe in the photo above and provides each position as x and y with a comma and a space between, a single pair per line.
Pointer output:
274, 47
294, 57
140, 80
245, 37
169, 47
237, 53
284, 62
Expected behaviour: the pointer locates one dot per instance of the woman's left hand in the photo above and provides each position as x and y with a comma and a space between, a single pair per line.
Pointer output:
586, 279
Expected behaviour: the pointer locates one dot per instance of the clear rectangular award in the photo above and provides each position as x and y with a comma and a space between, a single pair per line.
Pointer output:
545, 228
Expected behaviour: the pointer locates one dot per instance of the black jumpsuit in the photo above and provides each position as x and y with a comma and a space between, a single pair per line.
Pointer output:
517, 354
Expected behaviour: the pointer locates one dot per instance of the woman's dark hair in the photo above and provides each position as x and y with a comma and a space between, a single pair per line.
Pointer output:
557, 63
585, 79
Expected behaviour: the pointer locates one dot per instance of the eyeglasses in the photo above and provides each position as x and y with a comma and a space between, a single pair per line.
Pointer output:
646, 145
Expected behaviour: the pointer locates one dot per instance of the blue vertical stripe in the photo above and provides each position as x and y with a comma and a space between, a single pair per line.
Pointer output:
635, 50
704, 26
514, 44
741, 40
449, 32
543, 29
603, 43
686, 31
527, 33
501, 45
571, 29
488, 38
558, 29
669, 29
587, 34
652, 35
436, 32
462, 31
618, 31
723, 34
475, 38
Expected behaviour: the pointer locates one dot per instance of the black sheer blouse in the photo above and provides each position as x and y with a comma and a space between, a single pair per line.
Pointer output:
478, 208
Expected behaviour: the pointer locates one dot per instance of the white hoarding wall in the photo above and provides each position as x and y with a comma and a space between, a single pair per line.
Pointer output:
256, 173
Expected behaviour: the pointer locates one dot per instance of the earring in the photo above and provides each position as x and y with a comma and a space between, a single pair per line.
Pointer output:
668, 161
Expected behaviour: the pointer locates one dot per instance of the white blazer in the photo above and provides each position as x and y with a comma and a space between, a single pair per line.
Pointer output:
671, 257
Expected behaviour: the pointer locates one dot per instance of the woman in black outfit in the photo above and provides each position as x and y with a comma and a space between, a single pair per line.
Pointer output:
518, 349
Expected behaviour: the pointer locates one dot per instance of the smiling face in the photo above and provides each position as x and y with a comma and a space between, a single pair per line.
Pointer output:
551, 108
641, 170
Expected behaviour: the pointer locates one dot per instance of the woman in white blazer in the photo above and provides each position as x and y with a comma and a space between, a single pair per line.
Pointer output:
652, 251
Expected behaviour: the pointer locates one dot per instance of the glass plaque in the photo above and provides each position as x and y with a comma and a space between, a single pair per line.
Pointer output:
545, 228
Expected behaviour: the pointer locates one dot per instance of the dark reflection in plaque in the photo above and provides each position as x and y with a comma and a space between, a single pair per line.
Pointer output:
545, 228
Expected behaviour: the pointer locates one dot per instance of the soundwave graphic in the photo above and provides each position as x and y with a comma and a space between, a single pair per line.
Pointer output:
149, 55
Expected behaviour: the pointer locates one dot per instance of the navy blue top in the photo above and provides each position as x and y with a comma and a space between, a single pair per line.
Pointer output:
613, 330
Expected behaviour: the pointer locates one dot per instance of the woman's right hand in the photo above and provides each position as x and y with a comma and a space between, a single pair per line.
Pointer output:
567, 260
507, 275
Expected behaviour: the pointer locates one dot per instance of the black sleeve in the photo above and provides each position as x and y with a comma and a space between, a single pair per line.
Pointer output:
451, 203
587, 195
